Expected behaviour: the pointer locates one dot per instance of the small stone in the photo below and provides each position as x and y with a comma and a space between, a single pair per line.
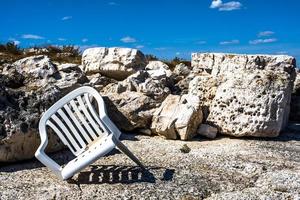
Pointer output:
177, 115
185, 149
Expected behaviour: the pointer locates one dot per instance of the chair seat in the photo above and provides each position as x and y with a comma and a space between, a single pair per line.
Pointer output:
93, 152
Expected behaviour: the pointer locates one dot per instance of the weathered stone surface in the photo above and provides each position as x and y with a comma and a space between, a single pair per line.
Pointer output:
252, 104
295, 100
117, 63
204, 86
226, 168
221, 64
142, 82
182, 86
177, 116
134, 99
130, 110
99, 82
182, 70
24, 95
35, 67
252, 95
68, 77
20, 112
158, 69
207, 131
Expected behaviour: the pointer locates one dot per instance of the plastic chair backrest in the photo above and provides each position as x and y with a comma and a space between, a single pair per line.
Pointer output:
74, 119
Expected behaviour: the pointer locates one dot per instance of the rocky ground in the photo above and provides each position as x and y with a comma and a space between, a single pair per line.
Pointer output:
224, 168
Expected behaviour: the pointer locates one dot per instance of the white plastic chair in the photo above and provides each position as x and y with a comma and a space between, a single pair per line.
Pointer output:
87, 134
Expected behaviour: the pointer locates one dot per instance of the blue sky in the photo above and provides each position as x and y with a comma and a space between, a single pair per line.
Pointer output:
163, 28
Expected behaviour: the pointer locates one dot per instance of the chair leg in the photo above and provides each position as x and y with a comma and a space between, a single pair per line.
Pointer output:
126, 151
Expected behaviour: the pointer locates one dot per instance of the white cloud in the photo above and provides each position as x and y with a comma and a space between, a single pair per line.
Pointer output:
61, 39
229, 42
201, 42
31, 36
160, 48
84, 40
282, 52
128, 39
139, 46
66, 18
112, 3
177, 53
262, 41
229, 6
265, 33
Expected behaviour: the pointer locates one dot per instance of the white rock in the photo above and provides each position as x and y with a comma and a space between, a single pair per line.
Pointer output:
130, 110
207, 131
115, 62
252, 93
157, 69
67, 66
35, 66
177, 115
142, 82
182, 70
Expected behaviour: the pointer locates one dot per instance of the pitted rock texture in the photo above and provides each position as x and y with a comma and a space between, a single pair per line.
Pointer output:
157, 69
221, 64
182, 70
20, 112
177, 117
25, 94
144, 83
117, 63
205, 87
253, 92
254, 104
35, 67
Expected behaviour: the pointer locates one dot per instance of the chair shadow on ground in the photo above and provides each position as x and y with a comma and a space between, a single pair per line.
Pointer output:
112, 174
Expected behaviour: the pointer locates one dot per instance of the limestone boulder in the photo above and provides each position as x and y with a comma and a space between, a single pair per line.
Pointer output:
130, 110
182, 70
252, 93
99, 82
182, 86
117, 63
177, 117
252, 104
222, 64
35, 67
144, 83
25, 94
20, 112
295, 100
157, 69
133, 100
205, 87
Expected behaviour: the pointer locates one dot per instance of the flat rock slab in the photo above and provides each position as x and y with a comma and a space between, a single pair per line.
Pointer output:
223, 168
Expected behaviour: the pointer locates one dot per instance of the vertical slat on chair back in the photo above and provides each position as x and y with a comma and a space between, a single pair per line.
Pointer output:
77, 123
